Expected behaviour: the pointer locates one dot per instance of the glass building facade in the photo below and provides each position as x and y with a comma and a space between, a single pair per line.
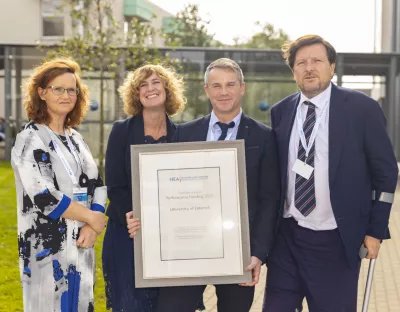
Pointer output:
267, 78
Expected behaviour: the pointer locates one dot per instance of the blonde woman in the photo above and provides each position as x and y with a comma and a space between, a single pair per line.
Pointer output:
150, 94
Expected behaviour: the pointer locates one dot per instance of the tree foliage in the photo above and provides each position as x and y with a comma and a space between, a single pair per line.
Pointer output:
189, 29
268, 37
100, 44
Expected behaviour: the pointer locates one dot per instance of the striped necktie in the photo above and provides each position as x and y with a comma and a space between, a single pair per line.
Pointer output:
304, 198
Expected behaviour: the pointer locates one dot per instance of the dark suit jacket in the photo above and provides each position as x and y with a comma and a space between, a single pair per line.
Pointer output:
361, 159
262, 169
118, 164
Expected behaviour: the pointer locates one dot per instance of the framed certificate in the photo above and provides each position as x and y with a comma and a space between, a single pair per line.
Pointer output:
191, 199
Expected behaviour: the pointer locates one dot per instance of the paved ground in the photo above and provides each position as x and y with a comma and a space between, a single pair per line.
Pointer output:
385, 296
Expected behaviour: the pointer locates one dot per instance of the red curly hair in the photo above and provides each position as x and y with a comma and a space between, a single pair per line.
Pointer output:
36, 108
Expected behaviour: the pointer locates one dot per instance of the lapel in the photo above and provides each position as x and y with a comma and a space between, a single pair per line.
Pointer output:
338, 124
287, 126
201, 131
170, 129
244, 128
137, 134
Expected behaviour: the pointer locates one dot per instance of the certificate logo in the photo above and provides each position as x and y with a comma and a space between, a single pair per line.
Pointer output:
187, 178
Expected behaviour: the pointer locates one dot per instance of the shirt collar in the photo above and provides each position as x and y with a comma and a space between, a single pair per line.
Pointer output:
214, 119
320, 100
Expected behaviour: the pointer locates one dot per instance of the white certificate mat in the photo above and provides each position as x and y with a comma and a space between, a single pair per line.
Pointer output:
188, 225
190, 208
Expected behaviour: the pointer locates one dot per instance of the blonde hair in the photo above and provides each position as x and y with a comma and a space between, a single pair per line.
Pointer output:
224, 63
173, 84
36, 108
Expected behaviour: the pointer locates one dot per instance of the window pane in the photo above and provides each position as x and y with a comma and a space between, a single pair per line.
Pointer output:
53, 26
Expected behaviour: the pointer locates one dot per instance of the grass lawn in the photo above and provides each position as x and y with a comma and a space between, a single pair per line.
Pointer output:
10, 287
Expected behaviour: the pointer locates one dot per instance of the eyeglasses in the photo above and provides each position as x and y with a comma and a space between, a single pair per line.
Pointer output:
61, 90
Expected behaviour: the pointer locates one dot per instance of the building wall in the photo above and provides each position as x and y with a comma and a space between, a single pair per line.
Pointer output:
24, 18
386, 34
20, 21
118, 10
158, 22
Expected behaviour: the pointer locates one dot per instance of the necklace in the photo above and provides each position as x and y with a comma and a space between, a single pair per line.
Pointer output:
59, 136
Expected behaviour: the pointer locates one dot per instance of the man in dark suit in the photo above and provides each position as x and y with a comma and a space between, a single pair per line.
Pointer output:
334, 153
224, 86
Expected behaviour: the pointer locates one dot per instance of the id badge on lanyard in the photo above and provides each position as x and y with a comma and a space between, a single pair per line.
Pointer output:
300, 167
79, 193
80, 196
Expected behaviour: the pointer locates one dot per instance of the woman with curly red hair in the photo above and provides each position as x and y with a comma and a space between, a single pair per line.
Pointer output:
60, 194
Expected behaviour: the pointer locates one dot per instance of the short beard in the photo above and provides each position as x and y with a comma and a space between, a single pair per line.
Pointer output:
315, 91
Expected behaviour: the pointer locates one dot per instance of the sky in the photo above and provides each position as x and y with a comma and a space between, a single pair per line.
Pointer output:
349, 25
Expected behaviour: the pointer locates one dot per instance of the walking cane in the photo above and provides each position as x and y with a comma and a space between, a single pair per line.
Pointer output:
371, 268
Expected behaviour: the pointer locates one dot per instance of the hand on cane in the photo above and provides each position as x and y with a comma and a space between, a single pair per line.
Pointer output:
372, 244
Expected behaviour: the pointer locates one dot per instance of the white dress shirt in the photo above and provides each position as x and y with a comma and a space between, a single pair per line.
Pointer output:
321, 218
214, 131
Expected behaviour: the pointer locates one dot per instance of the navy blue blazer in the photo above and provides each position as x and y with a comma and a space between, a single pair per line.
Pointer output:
262, 170
361, 159
124, 133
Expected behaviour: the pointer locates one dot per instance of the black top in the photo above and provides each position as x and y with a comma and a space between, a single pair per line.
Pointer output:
118, 162
148, 139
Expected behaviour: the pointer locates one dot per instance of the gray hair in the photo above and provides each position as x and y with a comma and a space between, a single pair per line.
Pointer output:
224, 63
